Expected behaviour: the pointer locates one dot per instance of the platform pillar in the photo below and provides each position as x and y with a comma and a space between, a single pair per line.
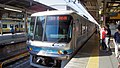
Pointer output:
25, 21
1, 13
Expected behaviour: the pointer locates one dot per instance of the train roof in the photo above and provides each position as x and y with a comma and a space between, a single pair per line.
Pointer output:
54, 12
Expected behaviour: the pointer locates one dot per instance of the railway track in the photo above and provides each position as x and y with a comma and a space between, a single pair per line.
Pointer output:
7, 61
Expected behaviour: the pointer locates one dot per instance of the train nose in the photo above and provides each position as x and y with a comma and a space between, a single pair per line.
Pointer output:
45, 61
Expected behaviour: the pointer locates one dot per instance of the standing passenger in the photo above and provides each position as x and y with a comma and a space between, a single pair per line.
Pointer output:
103, 34
12, 30
116, 41
107, 39
15, 29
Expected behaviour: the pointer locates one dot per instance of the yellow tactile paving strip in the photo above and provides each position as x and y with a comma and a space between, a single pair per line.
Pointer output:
93, 61
88, 56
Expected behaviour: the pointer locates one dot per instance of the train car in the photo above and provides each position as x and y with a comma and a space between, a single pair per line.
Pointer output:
57, 35
12, 32
7, 27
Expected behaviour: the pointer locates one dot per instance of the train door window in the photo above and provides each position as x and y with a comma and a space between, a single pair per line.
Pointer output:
79, 27
88, 27
4, 25
76, 25
32, 22
82, 27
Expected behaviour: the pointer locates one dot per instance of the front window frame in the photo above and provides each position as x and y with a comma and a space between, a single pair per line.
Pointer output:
45, 27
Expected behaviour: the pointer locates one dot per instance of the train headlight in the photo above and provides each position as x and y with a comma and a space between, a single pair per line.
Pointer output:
30, 49
60, 52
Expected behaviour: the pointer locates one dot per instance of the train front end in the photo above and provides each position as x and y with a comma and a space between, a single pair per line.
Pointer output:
50, 39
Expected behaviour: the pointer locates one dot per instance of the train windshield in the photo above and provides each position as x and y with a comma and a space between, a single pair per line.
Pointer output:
31, 27
53, 28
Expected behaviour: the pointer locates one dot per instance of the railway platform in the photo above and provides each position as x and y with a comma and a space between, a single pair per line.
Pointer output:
10, 38
90, 56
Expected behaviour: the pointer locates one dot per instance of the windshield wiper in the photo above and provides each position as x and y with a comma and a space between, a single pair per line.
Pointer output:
57, 41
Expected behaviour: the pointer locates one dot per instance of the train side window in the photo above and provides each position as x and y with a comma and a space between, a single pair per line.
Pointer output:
83, 29
16, 26
4, 25
21, 26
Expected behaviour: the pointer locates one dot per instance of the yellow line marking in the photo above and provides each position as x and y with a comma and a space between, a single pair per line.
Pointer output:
13, 58
93, 61
1, 65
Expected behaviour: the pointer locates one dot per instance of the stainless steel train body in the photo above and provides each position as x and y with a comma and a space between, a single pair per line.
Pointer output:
56, 35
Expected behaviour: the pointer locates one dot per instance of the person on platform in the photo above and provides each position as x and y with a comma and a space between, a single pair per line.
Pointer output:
116, 41
107, 38
15, 29
103, 36
12, 30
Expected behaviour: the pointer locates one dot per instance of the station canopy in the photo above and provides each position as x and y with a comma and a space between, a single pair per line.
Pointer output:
28, 5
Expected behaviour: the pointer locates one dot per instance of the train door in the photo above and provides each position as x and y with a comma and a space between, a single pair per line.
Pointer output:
73, 36
75, 33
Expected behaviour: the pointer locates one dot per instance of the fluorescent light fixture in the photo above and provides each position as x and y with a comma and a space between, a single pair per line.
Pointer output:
115, 4
13, 9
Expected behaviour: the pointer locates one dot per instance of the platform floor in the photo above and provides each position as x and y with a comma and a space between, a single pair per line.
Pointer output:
90, 56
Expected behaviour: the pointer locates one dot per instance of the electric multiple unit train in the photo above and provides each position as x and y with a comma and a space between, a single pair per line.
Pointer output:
7, 27
56, 35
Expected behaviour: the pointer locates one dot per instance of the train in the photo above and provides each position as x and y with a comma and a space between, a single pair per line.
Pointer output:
7, 27
57, 35
12, 31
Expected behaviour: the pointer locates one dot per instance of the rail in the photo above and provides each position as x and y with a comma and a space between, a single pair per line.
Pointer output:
14, 58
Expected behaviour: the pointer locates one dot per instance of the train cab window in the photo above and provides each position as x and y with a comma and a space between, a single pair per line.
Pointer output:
58, 27
31, 29
53, 28
39, 28
4, 25
32, 22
